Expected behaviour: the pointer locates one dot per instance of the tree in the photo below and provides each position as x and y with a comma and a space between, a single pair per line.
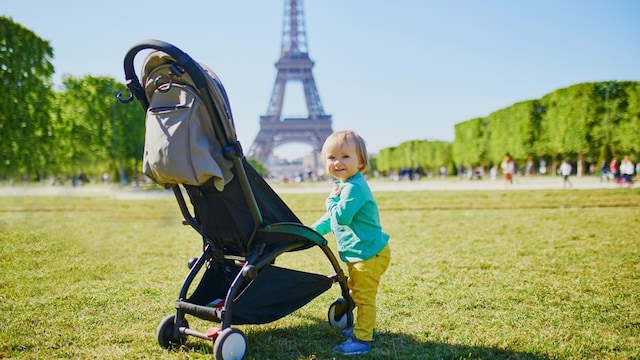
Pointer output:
568, 122
512, 130
629, 128
428, 155
622, 117
470, 144
384, 160
25, 75
95, 132
258, 166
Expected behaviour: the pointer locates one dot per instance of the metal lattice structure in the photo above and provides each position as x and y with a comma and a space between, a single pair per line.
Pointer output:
294, 65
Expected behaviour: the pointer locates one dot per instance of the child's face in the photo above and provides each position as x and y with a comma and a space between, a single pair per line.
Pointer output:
342, 161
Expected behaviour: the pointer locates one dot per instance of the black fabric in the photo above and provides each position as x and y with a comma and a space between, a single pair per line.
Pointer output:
273, 210
225, 216
275, 293
272, 207
215, 282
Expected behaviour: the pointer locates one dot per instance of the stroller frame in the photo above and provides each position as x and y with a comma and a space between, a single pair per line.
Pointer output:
248, 260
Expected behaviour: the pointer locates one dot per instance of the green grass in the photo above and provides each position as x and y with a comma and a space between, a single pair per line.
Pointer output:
474, 275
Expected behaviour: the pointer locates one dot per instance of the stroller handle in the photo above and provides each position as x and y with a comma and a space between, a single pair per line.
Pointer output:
216, 100
182, 59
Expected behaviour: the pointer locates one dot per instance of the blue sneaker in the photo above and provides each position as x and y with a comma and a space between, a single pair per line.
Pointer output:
348, 333
353, 347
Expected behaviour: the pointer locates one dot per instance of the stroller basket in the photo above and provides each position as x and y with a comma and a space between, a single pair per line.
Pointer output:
191, 147
261, 300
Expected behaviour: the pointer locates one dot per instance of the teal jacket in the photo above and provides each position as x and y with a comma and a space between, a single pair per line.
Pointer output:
353, 218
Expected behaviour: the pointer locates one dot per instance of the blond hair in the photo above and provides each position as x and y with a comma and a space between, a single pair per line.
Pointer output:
348, 137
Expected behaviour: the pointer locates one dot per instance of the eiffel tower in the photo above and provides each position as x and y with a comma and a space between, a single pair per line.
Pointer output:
294, 65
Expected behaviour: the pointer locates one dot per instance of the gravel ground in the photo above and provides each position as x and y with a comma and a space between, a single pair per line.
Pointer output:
130, 192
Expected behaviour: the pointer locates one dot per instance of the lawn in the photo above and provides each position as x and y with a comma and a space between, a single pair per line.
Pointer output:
546, 274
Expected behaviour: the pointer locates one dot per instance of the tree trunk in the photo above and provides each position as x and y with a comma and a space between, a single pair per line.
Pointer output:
580, 165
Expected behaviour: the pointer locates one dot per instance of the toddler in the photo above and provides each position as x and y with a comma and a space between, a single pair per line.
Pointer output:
352, 216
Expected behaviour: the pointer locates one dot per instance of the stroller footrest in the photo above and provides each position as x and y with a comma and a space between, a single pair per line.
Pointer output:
202, 312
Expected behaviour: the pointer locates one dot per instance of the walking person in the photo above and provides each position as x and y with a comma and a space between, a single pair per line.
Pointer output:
604, 171
626, 171
508, 169
614, 168
565, 171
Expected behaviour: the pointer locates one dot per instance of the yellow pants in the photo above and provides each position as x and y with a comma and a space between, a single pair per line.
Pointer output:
364, 278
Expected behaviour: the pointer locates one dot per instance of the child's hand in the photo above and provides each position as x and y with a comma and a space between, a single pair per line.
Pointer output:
335, 191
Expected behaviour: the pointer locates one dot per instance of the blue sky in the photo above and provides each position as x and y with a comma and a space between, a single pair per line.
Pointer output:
391, 70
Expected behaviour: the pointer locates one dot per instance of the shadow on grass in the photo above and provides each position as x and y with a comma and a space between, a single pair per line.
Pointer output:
316, 341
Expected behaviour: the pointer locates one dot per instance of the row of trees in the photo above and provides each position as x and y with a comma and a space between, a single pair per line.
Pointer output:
586, 123
83, 128
45, 132
429, 156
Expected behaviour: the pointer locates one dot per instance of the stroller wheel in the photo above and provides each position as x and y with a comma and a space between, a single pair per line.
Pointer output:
231, 344
166, 337
340, 316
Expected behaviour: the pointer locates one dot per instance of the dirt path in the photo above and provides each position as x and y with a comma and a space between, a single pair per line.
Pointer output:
128, 192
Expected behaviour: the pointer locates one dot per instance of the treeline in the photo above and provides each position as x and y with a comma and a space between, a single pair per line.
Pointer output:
80, 129
585, 123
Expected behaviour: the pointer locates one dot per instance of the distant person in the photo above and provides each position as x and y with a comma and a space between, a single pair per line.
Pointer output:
417, 172
508, 169
470, 172
493, 172
565, 171
614, 169
528, 171
443, 171
626, 171
604, 170
543, 167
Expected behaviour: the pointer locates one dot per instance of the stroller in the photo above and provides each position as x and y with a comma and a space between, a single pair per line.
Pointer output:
191, 147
